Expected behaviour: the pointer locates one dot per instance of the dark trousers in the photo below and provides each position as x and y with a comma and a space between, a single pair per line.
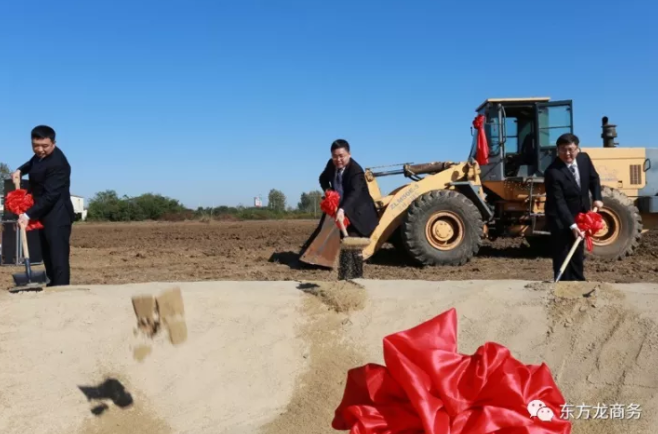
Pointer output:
352, 232
55, 249
562, 242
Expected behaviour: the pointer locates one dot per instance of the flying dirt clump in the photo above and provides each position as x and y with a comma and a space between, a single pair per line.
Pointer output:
155, 312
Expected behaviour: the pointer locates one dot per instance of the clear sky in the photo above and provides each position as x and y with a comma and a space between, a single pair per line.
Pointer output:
215, 101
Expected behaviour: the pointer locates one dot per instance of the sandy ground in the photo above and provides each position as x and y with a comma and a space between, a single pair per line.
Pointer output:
272, 357
254, 250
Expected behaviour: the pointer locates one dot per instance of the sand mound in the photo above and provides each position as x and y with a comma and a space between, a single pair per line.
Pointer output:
272, 357
329, 355
604, 351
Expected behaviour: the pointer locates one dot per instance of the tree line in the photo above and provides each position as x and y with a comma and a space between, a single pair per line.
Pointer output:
109, 206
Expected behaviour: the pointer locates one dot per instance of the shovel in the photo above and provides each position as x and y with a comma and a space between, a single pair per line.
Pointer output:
323, 245
30, 280
571, 252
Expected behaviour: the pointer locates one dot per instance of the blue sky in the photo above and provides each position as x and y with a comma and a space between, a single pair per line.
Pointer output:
214, 102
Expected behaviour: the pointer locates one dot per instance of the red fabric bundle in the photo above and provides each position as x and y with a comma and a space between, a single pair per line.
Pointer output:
482, 154
329, 206
427, 387
590, 223
18, 202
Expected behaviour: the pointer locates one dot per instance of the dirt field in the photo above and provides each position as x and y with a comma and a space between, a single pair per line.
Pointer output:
144, 252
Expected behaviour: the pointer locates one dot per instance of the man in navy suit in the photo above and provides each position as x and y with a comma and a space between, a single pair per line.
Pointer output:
50, 180
569, 180
345, 176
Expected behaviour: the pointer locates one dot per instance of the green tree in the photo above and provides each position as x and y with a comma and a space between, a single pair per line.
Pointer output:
276, 200
310, 202
155, 206
5, 172
105, 205
108, 206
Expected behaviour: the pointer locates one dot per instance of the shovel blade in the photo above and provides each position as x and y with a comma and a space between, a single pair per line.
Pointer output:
323, 246
36, 278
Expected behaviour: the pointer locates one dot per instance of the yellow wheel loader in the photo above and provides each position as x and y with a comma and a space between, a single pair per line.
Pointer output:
444, 213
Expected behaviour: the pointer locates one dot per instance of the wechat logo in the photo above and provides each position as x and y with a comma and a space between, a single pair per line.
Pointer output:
539, 410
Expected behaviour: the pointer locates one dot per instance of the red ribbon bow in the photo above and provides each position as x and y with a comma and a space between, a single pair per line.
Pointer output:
427, 387
18, 202
482, 154
329, 205
590, 223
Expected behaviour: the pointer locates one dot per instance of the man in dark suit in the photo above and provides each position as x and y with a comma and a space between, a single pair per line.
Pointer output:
50, 180
345, 176
569, 180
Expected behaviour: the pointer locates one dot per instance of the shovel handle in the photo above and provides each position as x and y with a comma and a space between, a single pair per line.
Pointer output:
568, 258
26, 249
571, 252
342, 228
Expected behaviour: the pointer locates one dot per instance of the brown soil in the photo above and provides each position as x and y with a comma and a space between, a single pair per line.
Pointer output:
268, 250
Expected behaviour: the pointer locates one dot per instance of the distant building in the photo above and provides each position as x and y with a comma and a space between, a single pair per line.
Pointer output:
258, 202
79, 207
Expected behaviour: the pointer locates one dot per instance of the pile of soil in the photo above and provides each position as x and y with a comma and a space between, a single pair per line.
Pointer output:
272, 357
329, 356
604, 347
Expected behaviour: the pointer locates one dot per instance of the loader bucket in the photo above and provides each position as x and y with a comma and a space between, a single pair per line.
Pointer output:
323, 246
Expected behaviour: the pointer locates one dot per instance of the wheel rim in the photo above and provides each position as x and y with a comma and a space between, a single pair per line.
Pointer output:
610, 231
444, 230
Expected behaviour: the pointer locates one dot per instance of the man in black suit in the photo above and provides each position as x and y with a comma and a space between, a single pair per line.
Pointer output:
345, 176
50, 180
569, 180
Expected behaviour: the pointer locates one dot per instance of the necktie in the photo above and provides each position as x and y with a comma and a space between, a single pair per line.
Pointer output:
575, 175
339, 182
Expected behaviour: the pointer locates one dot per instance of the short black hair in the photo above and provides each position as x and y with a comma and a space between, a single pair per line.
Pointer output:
43, 132
340, 143
567, 138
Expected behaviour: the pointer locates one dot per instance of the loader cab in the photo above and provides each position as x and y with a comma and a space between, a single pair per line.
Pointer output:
521, 135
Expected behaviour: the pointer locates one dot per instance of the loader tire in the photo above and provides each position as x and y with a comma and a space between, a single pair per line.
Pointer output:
621, 236
442, 228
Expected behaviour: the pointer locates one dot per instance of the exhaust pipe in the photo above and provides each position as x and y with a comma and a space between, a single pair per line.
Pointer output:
609, 133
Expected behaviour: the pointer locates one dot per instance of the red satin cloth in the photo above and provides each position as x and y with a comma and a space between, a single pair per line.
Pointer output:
19, 201
329, 206
482, 154
427, 387
590, 223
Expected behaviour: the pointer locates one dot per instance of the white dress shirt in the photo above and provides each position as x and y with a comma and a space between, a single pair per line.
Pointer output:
576, 174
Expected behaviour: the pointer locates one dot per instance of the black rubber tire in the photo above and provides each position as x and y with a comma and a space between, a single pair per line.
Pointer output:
419, 213
630, 221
